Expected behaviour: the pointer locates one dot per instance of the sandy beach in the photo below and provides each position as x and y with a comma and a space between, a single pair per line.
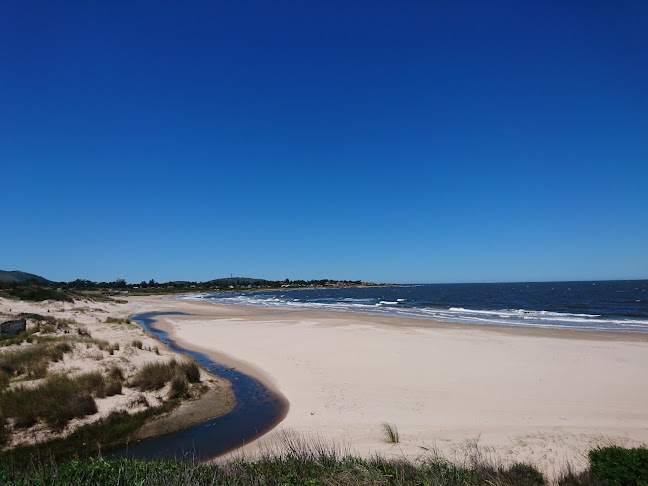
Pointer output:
544, 396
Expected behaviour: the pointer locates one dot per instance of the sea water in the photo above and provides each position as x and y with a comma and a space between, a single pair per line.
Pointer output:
619, 305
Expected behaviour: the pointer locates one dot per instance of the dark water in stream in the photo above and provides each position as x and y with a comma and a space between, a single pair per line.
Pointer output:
257, 411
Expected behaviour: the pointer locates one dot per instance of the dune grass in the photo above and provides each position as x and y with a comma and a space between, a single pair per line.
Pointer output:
312, 462
297, 460
4, 380
154, 376
9, 340
56, 401
299, 463
85, 442
117, 320
390, 433
33, 360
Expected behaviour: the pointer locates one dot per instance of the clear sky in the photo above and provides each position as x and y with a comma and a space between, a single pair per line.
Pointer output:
393, 141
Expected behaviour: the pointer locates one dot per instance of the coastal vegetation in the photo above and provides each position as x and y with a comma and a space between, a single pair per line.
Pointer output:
153, 376
390, 433
41, 394
25, 286
314, 463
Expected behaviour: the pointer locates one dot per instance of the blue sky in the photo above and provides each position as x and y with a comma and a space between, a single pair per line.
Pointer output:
393, 141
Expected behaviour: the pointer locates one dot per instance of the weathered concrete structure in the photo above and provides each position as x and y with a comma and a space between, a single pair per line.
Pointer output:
13, 327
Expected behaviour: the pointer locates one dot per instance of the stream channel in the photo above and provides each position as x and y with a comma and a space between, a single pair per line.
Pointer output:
257, 410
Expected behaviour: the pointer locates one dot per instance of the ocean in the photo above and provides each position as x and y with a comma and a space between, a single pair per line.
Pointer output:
619, 305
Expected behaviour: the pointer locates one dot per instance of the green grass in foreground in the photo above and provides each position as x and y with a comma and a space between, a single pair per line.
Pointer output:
312, 463
87, 441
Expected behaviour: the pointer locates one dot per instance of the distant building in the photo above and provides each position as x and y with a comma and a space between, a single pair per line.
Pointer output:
13, 327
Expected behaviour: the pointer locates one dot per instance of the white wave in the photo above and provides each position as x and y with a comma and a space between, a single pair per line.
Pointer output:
508, 317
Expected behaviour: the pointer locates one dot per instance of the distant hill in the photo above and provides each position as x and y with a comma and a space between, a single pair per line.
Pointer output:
21, 277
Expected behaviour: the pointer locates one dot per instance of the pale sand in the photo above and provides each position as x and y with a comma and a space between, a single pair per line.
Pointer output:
544, 396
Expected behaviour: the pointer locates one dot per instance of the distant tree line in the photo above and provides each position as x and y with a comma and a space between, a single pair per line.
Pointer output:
33, 287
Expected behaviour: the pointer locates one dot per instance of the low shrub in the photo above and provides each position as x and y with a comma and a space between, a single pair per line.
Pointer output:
179, 387
4, 380
34, 359
191, 371
58, 400
616, 466
85, 441
47, 329
38, 294
83, 331
113, 387
5, 432
569, 477
524, 475
93, 383
96, 355
116, 373
118, 320
138, 401
136, 343
154, 376
37, 317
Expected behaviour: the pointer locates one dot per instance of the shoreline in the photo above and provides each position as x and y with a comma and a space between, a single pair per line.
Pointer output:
522, 330
535, 394
256, 410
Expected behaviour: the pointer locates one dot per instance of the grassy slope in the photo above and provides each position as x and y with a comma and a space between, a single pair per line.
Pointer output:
327, 467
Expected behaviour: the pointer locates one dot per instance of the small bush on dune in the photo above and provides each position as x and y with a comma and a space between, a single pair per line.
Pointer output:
616, 466
179, 387
92, 383
191, 371
582, 478
37, 317
5, 432
113, 387
33, 360
116, 372
118, 320
83, 331
136, 343
58, 400
4, 380
38, 294
523, 475
154, 376
47, 329
138, 401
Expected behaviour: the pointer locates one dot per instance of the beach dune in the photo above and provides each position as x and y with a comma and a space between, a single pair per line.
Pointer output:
544, 396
